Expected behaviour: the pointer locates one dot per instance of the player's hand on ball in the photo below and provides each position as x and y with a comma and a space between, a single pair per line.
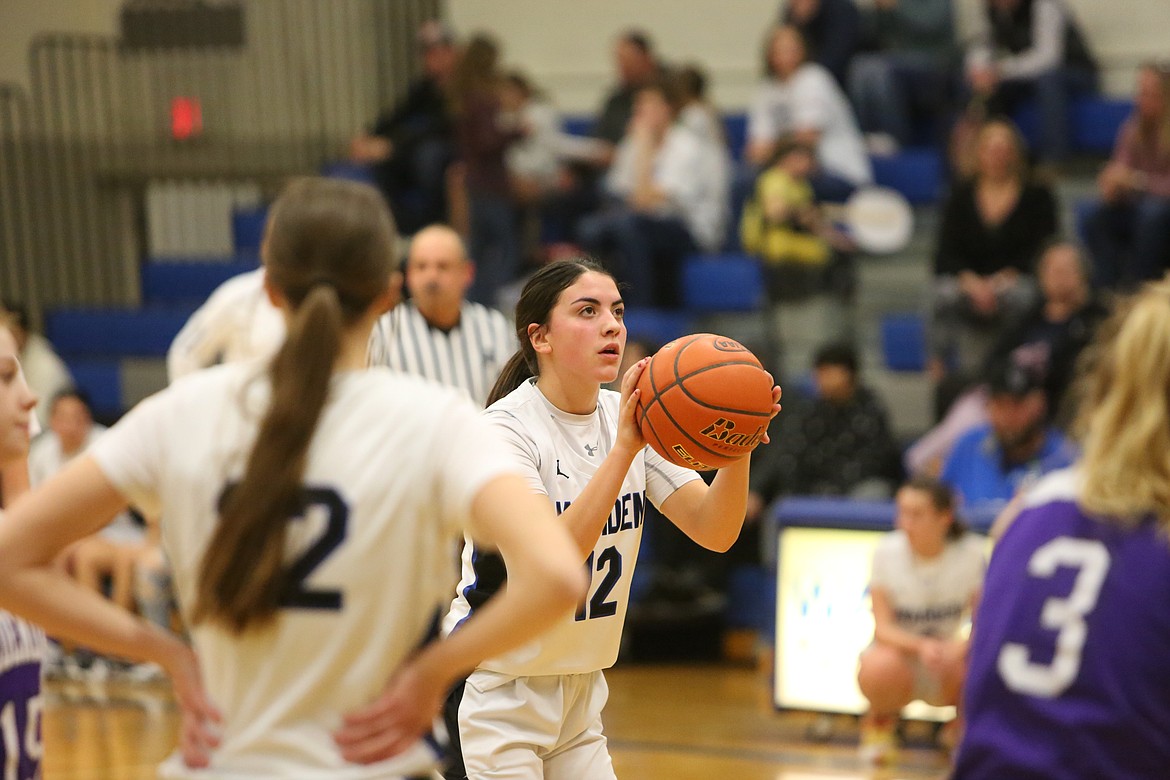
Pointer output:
776, 393
629, 431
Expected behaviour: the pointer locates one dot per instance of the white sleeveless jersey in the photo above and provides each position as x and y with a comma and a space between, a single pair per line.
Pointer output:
392, 470
560, 452
929, 597
237, 322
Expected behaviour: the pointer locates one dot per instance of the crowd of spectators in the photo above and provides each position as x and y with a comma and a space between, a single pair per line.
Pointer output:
1013, 298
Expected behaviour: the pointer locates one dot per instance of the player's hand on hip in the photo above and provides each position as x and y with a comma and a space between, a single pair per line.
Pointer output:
394, 721
199, 729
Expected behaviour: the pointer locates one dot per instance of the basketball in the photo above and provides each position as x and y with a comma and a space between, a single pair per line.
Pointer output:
706, 401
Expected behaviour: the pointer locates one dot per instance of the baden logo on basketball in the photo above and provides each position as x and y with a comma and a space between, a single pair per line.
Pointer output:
727, 345
721, 431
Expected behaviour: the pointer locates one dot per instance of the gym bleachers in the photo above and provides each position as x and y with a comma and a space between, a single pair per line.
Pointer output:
117, 356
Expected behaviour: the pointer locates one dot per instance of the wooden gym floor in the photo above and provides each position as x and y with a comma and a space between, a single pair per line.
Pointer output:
665, 722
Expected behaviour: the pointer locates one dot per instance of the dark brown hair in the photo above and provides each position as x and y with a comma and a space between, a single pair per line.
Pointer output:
329, 250
477, 71
537, 300
942, 498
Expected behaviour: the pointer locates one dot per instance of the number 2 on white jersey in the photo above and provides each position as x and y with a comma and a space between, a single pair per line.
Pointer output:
1064, 615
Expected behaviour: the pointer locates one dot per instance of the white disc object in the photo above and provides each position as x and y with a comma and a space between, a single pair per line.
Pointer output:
879, 219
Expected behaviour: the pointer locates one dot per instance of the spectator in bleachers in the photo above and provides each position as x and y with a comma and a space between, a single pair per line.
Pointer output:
837, 443
698, 113
831, 29
783, 225
1049, 337
1032, 49
800, 99
903, 78
482, 138
665, 201
539, 164
637, 66
45, 372
581, 192
992, 230
1128, 229
410, 146
991, 463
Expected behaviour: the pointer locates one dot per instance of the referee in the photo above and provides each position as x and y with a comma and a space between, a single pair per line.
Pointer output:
438, 333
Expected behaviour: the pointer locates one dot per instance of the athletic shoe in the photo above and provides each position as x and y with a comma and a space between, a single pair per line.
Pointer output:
879, 742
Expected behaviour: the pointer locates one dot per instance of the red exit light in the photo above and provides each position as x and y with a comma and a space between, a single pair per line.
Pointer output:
186, 118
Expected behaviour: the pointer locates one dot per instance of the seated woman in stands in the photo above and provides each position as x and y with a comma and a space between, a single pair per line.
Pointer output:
1128, 229
993, 228
800, 98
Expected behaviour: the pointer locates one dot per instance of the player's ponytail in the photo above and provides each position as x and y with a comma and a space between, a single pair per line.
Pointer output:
329, 251
536, 303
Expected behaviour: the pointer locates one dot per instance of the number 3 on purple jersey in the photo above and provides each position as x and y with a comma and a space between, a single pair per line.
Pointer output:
1063, 615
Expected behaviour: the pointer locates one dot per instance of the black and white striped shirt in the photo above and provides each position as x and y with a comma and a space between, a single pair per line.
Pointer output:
470, 356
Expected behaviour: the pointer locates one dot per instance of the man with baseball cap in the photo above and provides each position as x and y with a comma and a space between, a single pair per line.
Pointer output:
993, 461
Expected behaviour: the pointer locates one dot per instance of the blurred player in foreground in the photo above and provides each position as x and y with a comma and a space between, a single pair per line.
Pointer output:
308, 508
1068, 674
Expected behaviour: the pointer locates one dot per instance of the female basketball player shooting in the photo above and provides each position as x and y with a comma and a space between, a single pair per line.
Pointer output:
536, 712
309, 512
1067, 676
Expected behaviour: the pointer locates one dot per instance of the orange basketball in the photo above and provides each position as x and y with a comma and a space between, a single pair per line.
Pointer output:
706, 401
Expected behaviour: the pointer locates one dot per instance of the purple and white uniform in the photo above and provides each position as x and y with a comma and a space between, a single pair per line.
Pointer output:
1069, 669
22, 647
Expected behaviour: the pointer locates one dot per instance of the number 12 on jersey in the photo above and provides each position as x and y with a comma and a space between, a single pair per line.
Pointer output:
597, 605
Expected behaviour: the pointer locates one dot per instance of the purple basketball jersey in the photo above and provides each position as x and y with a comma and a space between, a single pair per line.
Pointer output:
22, 648
1069, 669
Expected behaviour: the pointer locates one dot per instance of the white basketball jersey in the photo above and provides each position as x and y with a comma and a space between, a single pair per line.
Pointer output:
392, 470
929, 597
560, 452
236, 323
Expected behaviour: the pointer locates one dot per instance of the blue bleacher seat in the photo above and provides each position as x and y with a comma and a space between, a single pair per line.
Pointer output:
657, 326
577, 125
751, 597
248, 230
1081, 211
916, 172
188, 282
99, 333
1093, 120
904, 342
1096, 121
735, 130
343, 169
101, 381
722, 283
818, 512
